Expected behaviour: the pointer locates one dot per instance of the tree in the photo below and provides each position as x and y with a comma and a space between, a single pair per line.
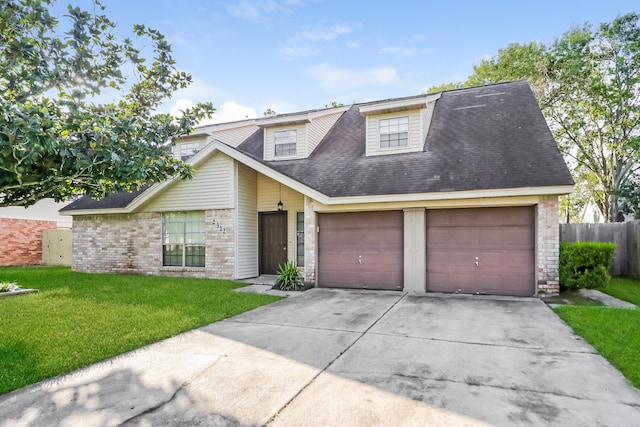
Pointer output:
56, 139
593, 105
588, 85
445, 86
269, 112
333, 104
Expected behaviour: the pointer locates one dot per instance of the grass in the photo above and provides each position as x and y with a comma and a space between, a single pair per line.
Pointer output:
614, 332
77, 319
624, 289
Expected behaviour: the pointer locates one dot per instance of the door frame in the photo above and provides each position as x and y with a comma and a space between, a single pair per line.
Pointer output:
261, 215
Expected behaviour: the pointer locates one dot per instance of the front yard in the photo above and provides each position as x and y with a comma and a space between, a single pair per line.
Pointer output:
614, 332
77, 319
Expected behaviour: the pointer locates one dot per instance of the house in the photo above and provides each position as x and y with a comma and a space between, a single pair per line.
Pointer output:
21, 230
449, 192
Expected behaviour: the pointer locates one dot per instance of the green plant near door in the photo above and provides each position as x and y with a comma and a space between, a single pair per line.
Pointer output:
289, 277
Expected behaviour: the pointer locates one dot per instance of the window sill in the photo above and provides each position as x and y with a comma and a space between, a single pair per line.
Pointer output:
181, 269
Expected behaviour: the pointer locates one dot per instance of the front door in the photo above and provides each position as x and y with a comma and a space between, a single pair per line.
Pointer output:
273, 241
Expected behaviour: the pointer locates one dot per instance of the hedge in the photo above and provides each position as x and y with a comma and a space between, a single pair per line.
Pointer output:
585, 264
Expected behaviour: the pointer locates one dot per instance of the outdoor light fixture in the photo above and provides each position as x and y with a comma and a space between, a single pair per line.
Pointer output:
280, 205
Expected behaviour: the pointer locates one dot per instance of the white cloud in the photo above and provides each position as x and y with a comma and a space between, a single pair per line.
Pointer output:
295, 49
229, 111
258, 11
418, 37
324, 32
303, 42
398, 50
332, 78
353, 45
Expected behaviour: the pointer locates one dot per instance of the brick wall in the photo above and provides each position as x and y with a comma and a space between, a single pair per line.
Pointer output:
22, 240
548, 246
310, 253
131, 244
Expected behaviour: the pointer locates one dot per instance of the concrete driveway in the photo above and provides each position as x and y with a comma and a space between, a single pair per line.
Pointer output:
330, 357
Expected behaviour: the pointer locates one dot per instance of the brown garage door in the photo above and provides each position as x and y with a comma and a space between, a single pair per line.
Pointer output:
361, 250
487, 250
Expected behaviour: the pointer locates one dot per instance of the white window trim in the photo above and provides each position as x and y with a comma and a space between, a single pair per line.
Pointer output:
293, 132
396, 147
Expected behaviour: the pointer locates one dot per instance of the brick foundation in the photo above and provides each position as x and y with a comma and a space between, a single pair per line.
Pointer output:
548, 246
22, 240
131, 244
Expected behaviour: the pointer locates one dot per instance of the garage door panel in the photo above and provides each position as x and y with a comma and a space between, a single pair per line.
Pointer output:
501, 238
369, 247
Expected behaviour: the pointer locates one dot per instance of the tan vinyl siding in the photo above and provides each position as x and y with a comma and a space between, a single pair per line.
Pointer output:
268, 196
247, 245
301, 142
235, 136
415, 132
210, 188
318, 128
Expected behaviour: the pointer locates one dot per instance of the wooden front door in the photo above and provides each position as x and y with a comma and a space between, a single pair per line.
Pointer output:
273, 241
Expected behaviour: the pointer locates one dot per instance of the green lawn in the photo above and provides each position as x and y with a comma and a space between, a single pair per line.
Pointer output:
614, 332
77, 319
624, 289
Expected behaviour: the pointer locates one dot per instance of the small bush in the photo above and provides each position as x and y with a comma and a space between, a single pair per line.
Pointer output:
585, 264
289, 277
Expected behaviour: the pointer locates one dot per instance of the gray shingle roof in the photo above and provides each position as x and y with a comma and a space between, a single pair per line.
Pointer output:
489, 137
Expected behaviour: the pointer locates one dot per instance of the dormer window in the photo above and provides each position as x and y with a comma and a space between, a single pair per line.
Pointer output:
394, 132
285, 142
186, 150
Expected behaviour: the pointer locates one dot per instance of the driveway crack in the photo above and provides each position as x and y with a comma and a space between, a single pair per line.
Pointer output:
315, 377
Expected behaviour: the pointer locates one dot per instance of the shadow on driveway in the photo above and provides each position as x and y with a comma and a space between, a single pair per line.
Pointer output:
335, 357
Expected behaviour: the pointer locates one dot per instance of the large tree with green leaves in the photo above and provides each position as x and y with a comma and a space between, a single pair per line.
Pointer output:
588, 84
79, 108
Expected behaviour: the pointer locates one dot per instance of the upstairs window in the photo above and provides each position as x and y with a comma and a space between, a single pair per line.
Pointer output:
394, 132
187, 150
183, 239
285, 142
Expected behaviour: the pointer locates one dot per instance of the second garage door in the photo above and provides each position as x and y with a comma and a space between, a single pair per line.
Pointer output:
361, 250
485, 250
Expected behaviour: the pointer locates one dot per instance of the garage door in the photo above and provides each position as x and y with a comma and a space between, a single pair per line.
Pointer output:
487, 250
361, 250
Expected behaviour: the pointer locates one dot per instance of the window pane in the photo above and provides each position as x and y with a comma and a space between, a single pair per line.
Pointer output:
180, 229
394, 132
285, 142
300, 238
172, 255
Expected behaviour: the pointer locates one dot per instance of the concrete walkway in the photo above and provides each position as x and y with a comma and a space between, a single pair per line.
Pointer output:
608, 300
357, 358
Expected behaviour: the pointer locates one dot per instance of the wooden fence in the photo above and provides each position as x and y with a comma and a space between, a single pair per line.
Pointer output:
56, 247
626, 236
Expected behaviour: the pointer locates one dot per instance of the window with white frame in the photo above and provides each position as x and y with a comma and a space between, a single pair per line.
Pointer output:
184, 151
183, 239
394, 132
300, 238
285, 142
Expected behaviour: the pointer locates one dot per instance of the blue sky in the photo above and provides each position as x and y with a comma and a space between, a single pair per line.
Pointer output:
292, 55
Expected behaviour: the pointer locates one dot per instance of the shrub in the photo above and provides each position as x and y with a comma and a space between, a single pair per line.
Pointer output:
585, 264
289, 277
8, 287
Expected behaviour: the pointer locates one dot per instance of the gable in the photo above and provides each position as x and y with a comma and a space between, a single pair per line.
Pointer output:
210, 188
